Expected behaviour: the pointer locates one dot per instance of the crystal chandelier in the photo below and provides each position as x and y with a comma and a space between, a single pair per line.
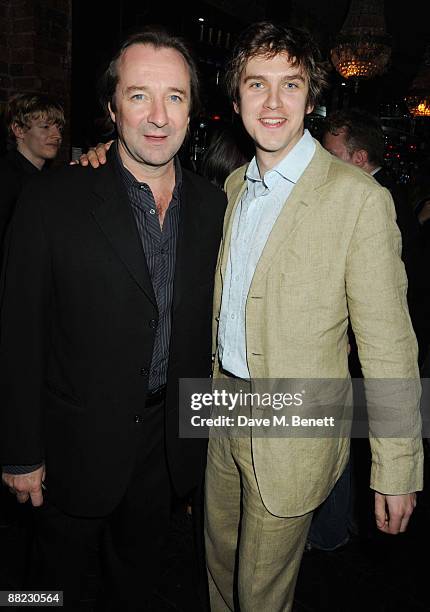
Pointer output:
362, 48
418, 98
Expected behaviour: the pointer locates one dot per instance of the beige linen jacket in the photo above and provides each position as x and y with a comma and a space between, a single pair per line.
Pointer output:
332, 255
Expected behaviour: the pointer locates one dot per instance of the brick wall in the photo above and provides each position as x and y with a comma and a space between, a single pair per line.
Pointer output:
35, 51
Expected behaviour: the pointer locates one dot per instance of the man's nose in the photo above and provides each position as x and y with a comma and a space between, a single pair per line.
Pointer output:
55, 132
158, 113
273, 99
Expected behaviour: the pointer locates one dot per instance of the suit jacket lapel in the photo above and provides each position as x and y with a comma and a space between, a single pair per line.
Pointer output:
234, 199
236, 186
304, 197
114, 216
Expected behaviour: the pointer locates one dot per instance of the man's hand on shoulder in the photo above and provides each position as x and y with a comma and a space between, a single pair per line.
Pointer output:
26, 486
94, 156
392, 512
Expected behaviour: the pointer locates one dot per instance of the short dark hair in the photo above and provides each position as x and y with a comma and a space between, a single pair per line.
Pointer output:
158, 38
362, 131
23, 108
228, 149
268, 39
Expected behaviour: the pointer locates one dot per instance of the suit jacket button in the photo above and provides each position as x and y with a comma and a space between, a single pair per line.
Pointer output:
153, 323
138, 418
144, 372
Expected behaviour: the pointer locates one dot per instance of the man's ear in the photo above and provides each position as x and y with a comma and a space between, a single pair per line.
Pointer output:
309, 108
236, 108
360, 158
111, 113
17, 130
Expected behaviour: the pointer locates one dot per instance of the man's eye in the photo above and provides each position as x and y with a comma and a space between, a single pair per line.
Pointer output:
257, 85
291, 85
137, 97
175, 98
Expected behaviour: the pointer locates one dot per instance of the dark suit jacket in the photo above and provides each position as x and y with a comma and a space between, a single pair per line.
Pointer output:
406, 220
78, 324
15, 172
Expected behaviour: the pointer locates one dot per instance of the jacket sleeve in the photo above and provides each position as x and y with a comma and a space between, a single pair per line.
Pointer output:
376, 286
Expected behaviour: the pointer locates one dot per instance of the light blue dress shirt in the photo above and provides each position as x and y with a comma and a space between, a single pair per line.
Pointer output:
253, 221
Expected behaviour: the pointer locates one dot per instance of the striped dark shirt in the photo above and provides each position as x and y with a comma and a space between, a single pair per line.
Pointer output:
159, 246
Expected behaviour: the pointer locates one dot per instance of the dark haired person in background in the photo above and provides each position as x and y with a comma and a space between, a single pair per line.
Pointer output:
107, 303
229, 148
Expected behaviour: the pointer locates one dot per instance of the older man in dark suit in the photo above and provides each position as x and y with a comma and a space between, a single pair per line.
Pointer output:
107, 304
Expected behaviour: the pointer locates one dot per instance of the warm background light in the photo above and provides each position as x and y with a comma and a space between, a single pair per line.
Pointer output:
361, 49
418, 97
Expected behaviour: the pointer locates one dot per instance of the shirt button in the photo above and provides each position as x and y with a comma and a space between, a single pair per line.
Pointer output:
152, 211
237, 277
138, 418
153, 323
144, 372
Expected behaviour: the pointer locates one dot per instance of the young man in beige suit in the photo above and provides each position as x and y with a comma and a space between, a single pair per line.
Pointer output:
309, 243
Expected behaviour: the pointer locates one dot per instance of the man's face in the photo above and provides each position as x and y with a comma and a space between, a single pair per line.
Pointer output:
40, 141
152, 104
336, 145
273, 104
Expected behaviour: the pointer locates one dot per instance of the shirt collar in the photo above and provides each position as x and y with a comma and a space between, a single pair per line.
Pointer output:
291, 167
130, 181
